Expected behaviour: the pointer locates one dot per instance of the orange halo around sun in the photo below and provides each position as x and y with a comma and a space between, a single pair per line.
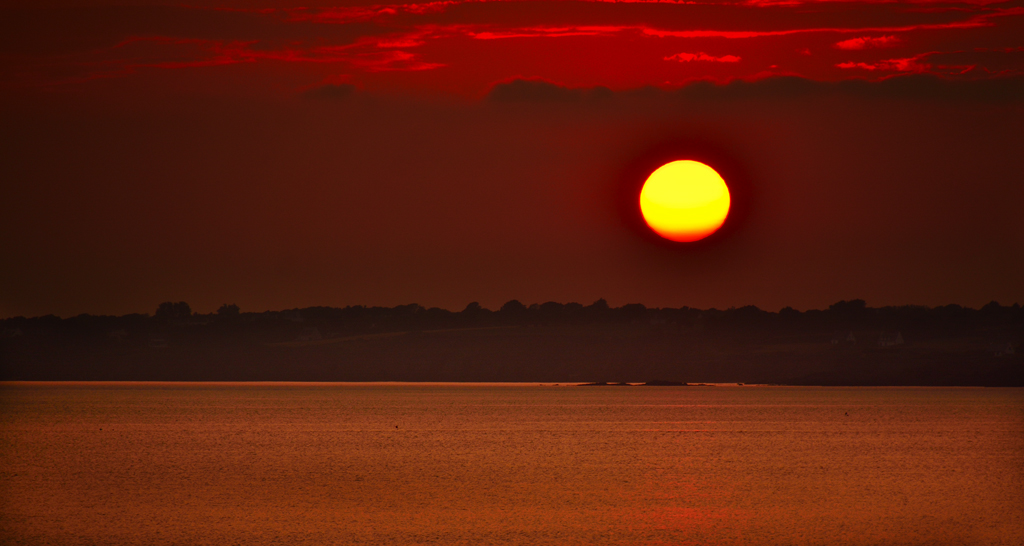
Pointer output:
684, 201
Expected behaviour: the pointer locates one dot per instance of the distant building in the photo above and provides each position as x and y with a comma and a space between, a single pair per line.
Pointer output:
843, 337
118, 334
890, 340
311, 334
11, 332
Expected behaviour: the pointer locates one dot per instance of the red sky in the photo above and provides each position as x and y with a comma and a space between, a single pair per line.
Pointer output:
284, 154
465, 47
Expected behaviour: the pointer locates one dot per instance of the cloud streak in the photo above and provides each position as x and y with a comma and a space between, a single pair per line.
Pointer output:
614, 44
702, 57
868, 42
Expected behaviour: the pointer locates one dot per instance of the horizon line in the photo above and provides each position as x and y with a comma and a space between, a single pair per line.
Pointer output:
856, 303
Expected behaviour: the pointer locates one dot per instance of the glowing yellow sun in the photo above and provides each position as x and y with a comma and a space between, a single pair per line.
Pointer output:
684, 201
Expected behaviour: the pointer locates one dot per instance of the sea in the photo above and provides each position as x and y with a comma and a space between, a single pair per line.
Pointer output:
496, 464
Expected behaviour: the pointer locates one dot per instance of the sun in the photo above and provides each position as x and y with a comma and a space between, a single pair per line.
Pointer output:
684, 201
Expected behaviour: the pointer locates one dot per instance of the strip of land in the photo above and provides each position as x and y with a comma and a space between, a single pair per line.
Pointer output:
846, 344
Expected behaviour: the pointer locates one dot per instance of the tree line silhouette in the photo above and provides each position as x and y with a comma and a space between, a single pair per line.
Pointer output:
949, 344
848, 315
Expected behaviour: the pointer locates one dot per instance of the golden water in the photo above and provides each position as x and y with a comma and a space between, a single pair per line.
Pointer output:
286, 464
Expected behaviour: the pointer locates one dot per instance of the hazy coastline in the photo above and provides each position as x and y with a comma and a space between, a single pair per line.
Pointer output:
846, 344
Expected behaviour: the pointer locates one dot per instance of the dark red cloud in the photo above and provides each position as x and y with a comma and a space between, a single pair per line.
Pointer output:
617, 44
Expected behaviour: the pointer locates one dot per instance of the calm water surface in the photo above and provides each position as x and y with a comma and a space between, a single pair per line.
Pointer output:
285, 464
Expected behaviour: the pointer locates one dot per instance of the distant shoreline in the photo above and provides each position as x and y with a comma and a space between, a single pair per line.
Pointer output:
848, 344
